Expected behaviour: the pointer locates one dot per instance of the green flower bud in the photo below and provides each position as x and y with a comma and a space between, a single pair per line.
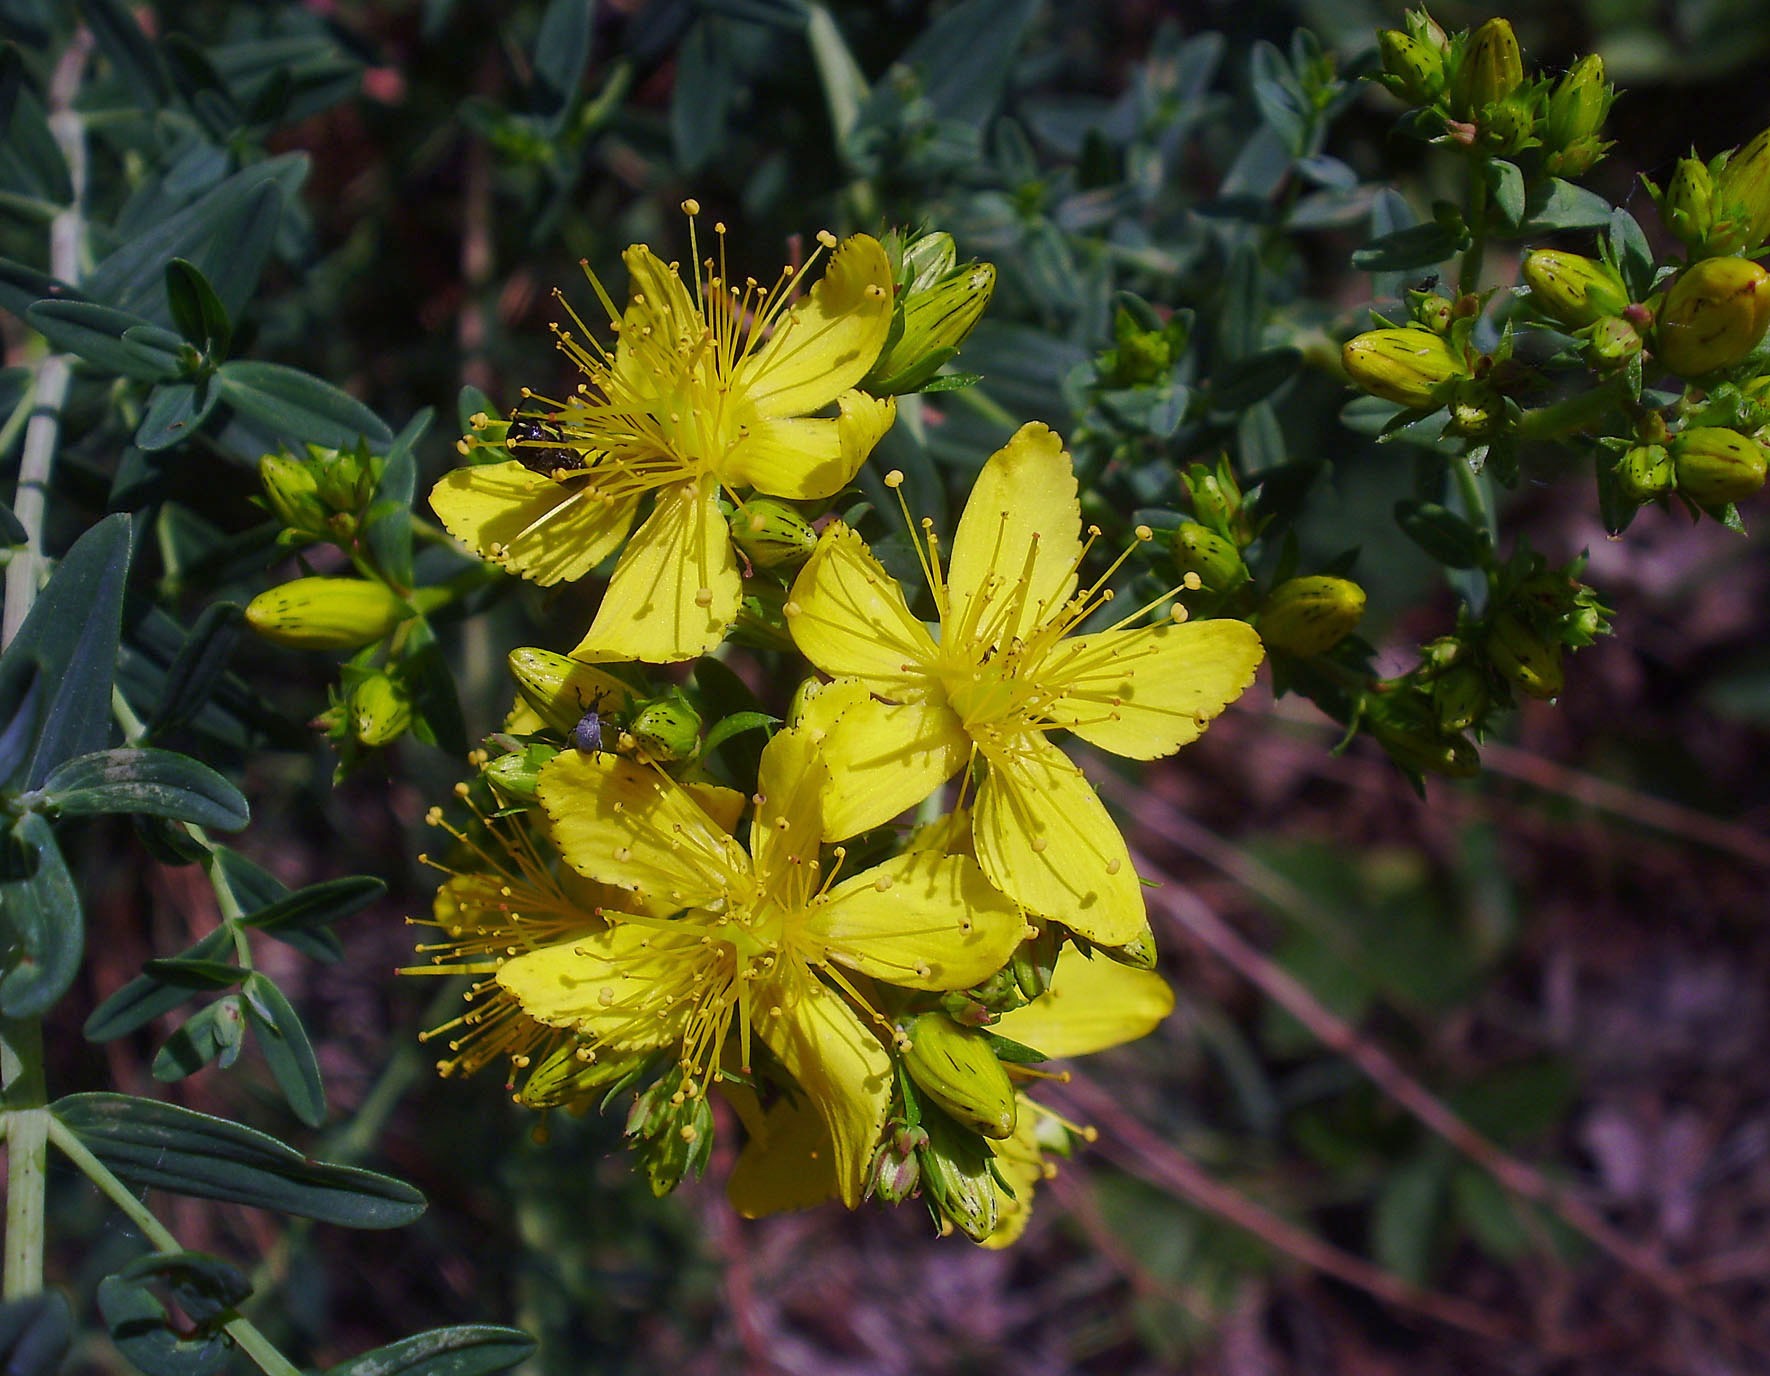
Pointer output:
1686, 204
1477, 409
671, 1131
571, 1074
380, 709
772, 533
957, 1178
561, 690
957, 1068
894, 1173
1405, 724
1216, 496
934, 313
517, 774
1413, 70
1430, 311
1411, 367
1717, 466
1613, 341
1742, 193
1216, 561
926, 260
1715, 313
1510, 125
1310, 615
1529, 662
1034, 961
1491, 69
1459, 697
1645, 473
1572, 289
326, 613
293, 493
666, 729
1577, 108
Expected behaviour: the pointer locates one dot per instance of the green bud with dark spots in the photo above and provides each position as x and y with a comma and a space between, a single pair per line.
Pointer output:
517, 775
1459, 697
772, 534
1742, 192
1613, 341
1411, 366
957, 1178
1686, 205
1572, 289
327, 613
1491, 67
1216, 561
561, 690
380, 710
1310, 615
1578, 107
1716, 466
1714, 314
957, 1068
1525, 658
666, 729
1645, 473
293, 493
1412, 69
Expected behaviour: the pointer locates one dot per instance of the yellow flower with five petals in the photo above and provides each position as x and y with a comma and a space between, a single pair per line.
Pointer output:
909, 708
761, 946
702, 395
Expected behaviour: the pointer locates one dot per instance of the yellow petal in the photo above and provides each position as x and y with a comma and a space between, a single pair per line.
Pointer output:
789, 818
547, 531
1045, 840
1022, 1166
625, 824
849, 618
723, 805
885, 757
1146, 692
676, 588
1015, 553
598, 984
838, 1062
923, 921
808, 457
827, 342
788, 1163
1093, 1003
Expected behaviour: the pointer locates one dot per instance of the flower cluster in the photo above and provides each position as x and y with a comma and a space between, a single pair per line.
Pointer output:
870, 1002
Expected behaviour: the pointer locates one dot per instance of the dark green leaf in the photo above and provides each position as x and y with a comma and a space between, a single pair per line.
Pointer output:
1416, 247
206, 1288
31, 165
562, 48
468, 1350
1405, 1222
142, 779
1561, 205
1506, 183
1281, 103
214, 1032
1243, 306
196, 974
164, 1147
701, 98
174, 413
40, 913
1632, 253
1443, 534
198, 668
286, 1049
110, 340
145, 1331
789, 15
1241, 383
438, 718
12, 80
145, 998
252, 886
35, 1334
197, 312
388, 530
727, 727
122, 41
202, 87
21, 287
12, 531
301, 919
299, 406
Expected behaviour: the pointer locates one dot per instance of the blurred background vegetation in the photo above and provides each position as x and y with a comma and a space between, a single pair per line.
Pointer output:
1566, 953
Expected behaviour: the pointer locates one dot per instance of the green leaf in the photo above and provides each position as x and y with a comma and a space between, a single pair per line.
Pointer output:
142, 779
1561, 205
562, 48
1443, 534
301, 918
35, 1334
1507, 185
147, 997
40, 913
197, 670
22, 286
195, 973
388, 529
163, 1147
112, 341
702, 96
31, 165
727, 727
467, 1350
207, 1290
964, 57
197, 312
1404, 1224
299, 406
174, 413
1239, 384
1406, 250
1632, 253
286, 1048
121, 40
214, 1032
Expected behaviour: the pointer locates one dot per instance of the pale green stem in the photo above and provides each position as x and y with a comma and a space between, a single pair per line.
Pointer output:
1469, 270
27, 1154
1572, 415
1479, 514
243, 1331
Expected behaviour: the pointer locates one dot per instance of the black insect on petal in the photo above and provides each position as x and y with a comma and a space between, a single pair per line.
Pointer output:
587, 734
539, 446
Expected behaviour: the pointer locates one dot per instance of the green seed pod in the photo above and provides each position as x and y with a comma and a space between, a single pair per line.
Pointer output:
570, 1074
772, 533
561, 690
1216, 561
956, 1176
1310, 615
1430, 311
516, 775
957, 1068
380, 710
1572, 289
326, 613
926, 260
1413, 70
1459, 697
293, 492
895, 1172
1034, 962
1492, 67
1645, 473
1411, 367
1742, 193
1529, 662
1477, 409
1686, 204
935, 320
1577, 109
1715, 313
1613, 341
666, 729
1216, 496
1717, 466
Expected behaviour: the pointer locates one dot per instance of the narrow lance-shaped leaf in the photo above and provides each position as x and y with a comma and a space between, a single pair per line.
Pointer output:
162, 783
467, 1350
40, 912
147, 996
286, 1048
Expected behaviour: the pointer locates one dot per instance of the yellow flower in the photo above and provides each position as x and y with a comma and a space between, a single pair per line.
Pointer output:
764, 945
701, 395
1092, 1004
909, 709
